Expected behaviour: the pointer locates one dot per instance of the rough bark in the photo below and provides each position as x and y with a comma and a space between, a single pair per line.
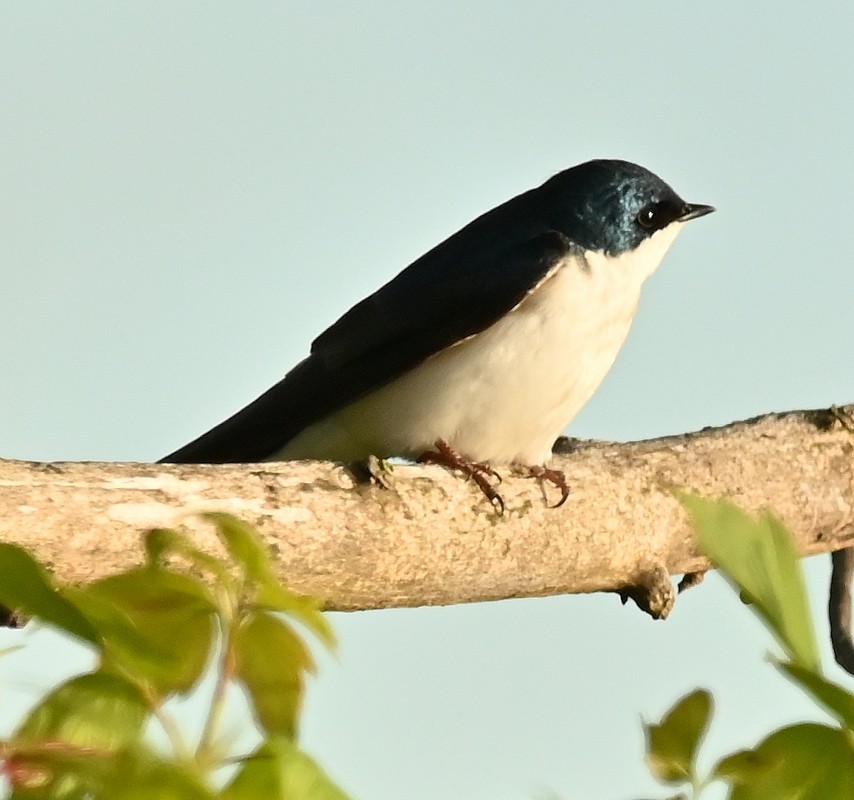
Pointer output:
432, 538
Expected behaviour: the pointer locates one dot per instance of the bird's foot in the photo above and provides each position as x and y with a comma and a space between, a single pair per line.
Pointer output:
545, 475
484, 476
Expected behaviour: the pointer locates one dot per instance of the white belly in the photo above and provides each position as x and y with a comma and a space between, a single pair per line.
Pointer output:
505, 394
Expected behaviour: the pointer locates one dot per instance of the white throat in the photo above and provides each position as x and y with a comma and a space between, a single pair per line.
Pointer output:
641, 262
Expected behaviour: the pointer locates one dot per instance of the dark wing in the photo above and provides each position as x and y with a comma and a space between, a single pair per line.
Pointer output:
456, 290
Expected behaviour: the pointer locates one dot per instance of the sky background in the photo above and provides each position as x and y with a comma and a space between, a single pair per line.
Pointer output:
189, 193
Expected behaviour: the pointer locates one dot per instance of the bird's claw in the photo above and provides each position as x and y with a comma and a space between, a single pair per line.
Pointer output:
483, 476
552, 476
486, 478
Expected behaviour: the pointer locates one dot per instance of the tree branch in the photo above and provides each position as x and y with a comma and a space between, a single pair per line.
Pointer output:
432, 538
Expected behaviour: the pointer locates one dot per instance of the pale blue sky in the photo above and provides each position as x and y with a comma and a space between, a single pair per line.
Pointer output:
190, 192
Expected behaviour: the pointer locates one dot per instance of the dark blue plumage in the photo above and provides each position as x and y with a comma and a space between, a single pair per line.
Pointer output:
456, 290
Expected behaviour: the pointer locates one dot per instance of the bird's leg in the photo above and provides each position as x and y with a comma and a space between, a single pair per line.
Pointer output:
545, 475
478, 471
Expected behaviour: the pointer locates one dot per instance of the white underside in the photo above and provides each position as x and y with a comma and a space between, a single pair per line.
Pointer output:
504, 395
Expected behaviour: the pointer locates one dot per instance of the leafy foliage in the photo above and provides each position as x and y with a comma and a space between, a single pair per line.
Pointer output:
806, 761
672, 744
156, 628
758, 557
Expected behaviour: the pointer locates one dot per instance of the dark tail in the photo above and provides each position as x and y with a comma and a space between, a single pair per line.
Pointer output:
261, 429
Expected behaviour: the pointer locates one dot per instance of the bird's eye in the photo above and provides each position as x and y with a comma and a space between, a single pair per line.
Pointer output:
647, 217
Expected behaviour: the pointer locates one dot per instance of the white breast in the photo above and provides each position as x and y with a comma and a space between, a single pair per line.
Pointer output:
504, 395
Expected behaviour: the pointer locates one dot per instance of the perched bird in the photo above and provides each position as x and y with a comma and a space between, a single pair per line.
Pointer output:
480, 352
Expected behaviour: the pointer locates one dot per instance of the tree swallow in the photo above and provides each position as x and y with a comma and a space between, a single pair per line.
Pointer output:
480, 352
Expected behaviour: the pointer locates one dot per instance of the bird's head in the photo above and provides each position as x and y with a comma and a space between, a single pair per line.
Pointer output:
613, 206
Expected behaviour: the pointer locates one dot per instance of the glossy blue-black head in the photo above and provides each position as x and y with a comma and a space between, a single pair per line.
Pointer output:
613, 206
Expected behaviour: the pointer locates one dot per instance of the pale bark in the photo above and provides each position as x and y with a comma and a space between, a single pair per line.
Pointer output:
432, 538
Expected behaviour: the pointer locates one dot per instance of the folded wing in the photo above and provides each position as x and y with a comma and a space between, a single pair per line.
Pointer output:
451, 293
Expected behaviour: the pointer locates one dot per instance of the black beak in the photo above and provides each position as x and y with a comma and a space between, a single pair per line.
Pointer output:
694, 210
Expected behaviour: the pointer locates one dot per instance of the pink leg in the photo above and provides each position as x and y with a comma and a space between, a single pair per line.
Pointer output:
480, 473
552, 476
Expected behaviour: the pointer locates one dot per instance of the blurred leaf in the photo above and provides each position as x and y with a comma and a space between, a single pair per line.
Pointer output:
131, 773
162, 542
304, 608
834, 698
270, 660
741, 766
803, 762
671, 746
142, 776
172, 616
96, 710
159, 542
759, 557
244, 545
279, 771
38, 772
124, 649
26, 585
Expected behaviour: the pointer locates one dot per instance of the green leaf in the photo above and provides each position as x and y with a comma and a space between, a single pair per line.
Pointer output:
759, 558
26, 585
96, 710
279, 771
244, 545
141, 776
303, 608
133, 773
247, 548
42, 772
742, 766
834, 698
124, 649
671, 746
270, 660
172, 619
801, 762
162, 542
159, 542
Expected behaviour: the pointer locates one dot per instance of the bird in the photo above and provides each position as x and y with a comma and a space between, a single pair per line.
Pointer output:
479, 353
